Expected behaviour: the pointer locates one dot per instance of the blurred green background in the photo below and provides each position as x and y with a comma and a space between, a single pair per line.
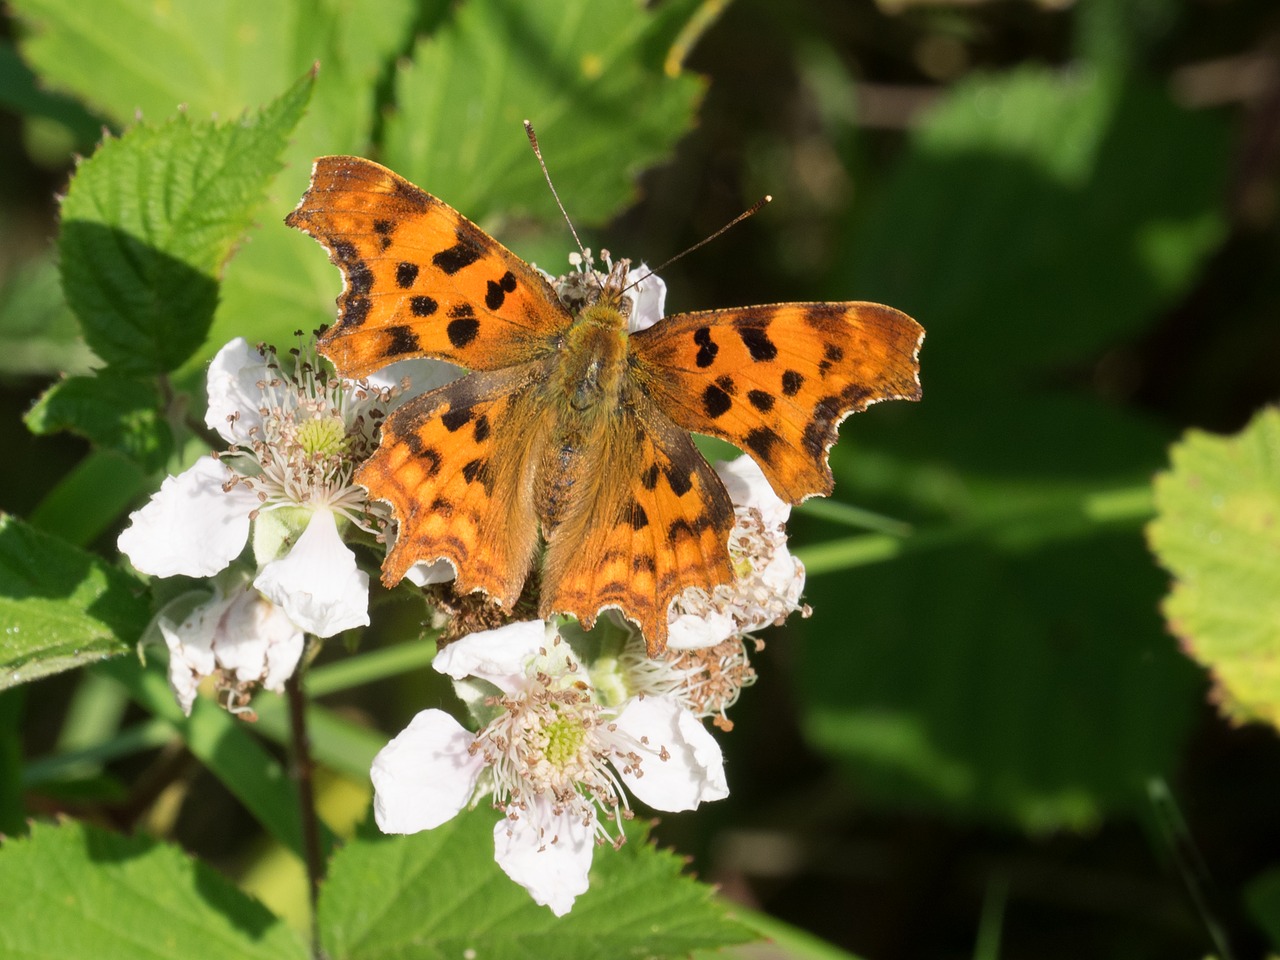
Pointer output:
984, 742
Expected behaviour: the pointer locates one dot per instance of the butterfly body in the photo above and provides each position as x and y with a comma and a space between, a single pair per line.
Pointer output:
569, 440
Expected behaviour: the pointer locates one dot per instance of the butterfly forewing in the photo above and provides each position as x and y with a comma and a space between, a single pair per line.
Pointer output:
777, 380
421, 279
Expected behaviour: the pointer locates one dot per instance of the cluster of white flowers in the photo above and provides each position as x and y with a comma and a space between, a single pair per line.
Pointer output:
563, 734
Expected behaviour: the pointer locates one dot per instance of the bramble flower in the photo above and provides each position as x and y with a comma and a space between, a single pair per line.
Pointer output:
644, 288
295, 440
768, 581
553, 757
240, 637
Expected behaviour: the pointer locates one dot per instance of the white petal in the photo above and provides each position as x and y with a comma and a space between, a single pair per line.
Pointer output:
423, 573
190, 643
191, 526
317, 582
423, 375
648, 298
425, 776
688, 631
548, 854
232, 385
256, 641
499, 656
748, 487
693, 771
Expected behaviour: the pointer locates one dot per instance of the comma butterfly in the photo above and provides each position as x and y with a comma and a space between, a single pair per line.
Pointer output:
569, 431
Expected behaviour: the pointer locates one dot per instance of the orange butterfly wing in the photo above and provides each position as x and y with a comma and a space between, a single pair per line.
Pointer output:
777, 380
653, 520
421, 280
456, 465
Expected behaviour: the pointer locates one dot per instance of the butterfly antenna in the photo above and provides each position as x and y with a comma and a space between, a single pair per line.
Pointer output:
533, 142
750, 211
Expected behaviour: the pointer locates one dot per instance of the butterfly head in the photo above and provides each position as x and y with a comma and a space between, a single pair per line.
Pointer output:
609, 295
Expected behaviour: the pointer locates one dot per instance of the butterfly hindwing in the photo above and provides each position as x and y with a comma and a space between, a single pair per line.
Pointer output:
421, 279
777, 380
655, 520
456, 464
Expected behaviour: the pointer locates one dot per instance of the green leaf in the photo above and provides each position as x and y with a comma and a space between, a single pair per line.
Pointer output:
89, 499
1217, 531
998, 682
149, 221
581, 70
1038, 216
220, 59
73, 891
439, 894
38, 331
59, 606
114, 412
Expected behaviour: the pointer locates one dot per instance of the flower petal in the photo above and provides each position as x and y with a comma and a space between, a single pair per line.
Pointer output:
191, 526
422, 573
423, 375
234, 392
547, 853
190, 644
317, 582
256, 641
499, 656
748, 487
693, 771
426, 775
648, 298
688, 631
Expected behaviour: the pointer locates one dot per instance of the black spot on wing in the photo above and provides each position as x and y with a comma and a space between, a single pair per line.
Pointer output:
650, 477
471, 246
462, 331
406, 274
761, 441
760, 400
637, 517
401, 339
792, 381
756, 340
454, 418
715, 401
482, 429
707, 348
680, 479
422, 306
726, 384
442, 506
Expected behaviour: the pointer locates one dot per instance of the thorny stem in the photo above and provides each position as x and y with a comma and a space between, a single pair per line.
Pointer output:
300, 750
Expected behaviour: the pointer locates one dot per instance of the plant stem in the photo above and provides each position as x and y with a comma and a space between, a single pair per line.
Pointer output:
302, 770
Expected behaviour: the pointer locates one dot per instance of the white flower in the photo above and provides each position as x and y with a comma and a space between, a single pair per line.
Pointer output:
768, 581
242, 638
552, 756
642, 287
295, 441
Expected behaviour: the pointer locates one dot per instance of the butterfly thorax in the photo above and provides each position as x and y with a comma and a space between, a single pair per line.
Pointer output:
585, 390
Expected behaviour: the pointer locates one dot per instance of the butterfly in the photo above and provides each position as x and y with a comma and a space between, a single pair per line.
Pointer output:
569, 438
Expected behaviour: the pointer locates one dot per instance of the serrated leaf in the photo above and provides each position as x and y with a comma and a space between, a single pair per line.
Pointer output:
113, 412
1217, 531
149, 221
60, 607
439, 894
582, 71
1037, 216
73, 891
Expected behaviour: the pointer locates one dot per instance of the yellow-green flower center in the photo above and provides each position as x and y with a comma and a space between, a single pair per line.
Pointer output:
564, 738
323, 436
